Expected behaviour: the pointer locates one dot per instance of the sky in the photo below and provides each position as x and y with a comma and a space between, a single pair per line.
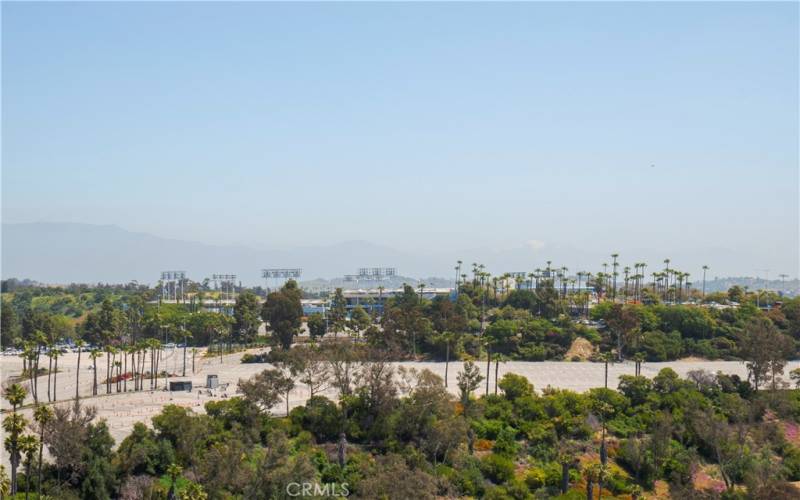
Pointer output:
614, 127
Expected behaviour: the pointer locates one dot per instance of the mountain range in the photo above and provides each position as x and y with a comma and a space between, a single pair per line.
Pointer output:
61, 253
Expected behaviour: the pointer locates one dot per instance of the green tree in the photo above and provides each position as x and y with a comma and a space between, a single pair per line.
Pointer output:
14, 425
338, 312
316, 325
359, 320
266, 389
42, 416
468, 380
246, 318
284, 313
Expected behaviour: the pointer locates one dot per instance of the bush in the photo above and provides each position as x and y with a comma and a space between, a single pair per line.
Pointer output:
515, 386
497, 468
535, 478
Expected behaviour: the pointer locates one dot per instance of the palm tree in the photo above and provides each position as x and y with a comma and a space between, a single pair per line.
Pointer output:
614, 266
488, 342
55, 354
79, 344
42, 415
448, 338
705, 268
14, 425
498, 358
606, 358
174, 470
458, 273
638, 359
591, 473
93, 355
50, 349
194, 353
28, 445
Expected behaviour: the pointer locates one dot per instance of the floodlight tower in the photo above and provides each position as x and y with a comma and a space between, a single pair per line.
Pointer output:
280, 274
173, 281
227, 285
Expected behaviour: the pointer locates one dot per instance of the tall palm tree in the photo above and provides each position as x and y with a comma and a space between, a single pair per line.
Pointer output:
194, 353
50, 349
14, 426
638, 359
93, 355
614, 266
706, 268
458, 273
79, 344
42, 415
498, 358
448, 338
28, 445
56, 353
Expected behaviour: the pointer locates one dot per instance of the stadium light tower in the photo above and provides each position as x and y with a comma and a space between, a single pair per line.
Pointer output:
280, 274
173, 281
227, 284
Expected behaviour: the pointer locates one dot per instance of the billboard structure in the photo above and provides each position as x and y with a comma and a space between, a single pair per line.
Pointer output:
280, 276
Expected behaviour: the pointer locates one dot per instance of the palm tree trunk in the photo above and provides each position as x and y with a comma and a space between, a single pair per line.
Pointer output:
446, 362
27, 478
49, 372
108, 372
488, 366
496, 370
39, 465
55, 381
94, 385
78, 375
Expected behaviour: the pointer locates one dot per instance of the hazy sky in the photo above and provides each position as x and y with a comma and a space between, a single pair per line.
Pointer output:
613, 127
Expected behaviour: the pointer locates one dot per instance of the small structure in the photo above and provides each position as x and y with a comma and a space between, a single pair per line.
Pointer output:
212, 381
180, 385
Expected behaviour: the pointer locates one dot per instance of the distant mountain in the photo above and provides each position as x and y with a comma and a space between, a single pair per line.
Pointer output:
787, 286
85, 253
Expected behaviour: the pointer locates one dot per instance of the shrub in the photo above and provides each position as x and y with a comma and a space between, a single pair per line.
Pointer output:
535, 478
497, 468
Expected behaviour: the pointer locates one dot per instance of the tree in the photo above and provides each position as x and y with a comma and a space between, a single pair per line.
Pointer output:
173, 471
55, 354
359, 320
266, 389
316, 325
28, 445
14, 425
42, 416
284, 313
9, 328
93, 355
338, 312
314, 370
515, 386
246, 317
79, 343
764, 349
622, 321
468, 380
